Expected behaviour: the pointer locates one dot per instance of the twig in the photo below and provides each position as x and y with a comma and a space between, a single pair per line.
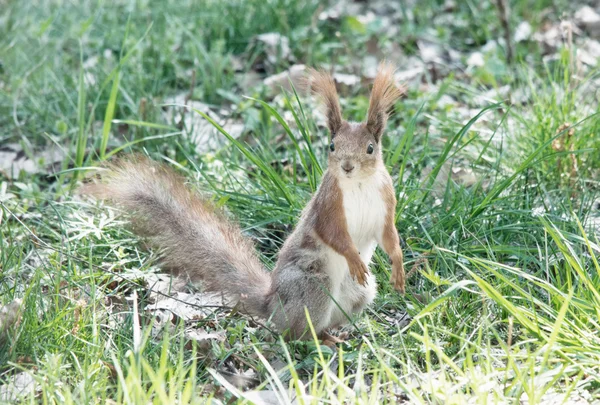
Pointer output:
504, 13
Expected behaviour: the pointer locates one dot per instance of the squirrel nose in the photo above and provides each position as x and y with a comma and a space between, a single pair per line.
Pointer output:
347, 166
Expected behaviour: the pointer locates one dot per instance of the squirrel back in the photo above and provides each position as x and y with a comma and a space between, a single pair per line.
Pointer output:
194, 239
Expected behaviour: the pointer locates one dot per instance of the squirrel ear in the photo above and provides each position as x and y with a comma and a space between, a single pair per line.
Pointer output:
384, 94
321, 84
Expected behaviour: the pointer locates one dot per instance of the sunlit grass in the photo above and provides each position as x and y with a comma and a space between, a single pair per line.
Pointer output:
504, 298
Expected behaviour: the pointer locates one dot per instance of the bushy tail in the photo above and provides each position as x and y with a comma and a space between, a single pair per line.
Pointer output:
194, 239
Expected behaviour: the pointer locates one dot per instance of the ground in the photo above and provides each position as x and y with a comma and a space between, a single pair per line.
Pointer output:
494, 150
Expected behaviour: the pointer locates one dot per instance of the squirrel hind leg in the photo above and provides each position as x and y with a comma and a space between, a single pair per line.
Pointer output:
294, 294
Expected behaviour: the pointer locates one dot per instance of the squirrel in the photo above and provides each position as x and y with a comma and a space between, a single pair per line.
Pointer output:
323, 264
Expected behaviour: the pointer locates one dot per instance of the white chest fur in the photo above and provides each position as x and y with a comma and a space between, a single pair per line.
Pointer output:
365, 212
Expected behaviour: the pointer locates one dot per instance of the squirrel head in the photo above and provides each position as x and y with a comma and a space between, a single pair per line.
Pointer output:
355, 149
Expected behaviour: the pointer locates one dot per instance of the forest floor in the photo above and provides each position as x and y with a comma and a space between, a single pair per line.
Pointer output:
494, 151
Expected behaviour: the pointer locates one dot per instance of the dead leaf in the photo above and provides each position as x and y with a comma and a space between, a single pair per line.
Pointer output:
17, 386
242, 380
522, 32
188, 306
346, 79
449, 6
446, 101
460, 175
200, 335
463, 176
281, 80
249, 80
275, 48
10, 315
476, 60
203, 338
589, 52
14, 160
587, 18
4, 195
369, 66
264, 397
204, 135
592, 47
430, 52
552, 36
585, 57
412, 71
340, 8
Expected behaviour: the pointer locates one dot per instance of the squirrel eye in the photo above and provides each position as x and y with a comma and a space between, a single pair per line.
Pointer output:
332, 147
370, 148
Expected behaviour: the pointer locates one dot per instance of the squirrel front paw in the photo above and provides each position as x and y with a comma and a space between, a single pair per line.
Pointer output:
398, 277
358, 270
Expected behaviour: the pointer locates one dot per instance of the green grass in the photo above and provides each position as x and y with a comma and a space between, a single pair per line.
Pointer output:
504, 299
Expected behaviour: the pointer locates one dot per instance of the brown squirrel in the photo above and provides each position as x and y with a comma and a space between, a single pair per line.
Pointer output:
322, 266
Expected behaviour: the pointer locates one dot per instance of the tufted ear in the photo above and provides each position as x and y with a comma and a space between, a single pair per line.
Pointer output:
322, 85
384, 94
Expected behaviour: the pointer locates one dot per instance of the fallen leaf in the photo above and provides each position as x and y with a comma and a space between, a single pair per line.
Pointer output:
346, 79
17, 386
460, 175
242, 380
589, 20
264, 397
339, 9
585, 57
295, 73
369, 66
523, 31
14, 160
188, 306
10, 315
203, 339
200, 335
552, 35
475, 60
249, 80
411, 72
275, 48
463, 176
204, 135
589, 52
430, 52
446, 101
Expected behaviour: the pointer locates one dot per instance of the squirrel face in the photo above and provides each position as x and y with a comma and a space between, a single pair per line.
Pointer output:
354, 152
355, 148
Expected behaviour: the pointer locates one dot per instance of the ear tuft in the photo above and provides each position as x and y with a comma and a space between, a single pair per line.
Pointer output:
323, 86
384, 94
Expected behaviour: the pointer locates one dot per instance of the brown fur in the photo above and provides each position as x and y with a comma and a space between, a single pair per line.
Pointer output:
384, 94
330, 226
323, 85
193, 238
391, 241
202, 244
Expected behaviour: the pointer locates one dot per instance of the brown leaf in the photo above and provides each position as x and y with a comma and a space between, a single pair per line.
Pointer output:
295, 73
10, 315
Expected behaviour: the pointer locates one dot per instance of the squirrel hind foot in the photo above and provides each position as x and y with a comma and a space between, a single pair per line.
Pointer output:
331, 341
